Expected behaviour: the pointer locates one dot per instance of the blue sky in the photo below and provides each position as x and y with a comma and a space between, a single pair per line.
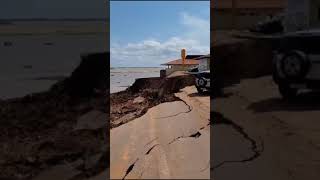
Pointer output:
145, 33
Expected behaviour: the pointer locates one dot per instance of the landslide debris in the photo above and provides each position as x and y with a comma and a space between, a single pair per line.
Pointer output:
153, 91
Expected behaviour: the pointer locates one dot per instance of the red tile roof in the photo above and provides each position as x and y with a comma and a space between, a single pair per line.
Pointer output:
179, 62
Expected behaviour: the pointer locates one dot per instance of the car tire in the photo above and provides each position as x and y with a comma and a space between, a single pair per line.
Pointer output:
287, 92
200, 90
294, 65
202, 82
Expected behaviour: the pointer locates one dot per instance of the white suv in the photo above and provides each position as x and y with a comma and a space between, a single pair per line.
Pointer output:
296, 63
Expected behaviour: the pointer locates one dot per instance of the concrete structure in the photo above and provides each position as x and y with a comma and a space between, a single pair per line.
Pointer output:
302, 14
243, 14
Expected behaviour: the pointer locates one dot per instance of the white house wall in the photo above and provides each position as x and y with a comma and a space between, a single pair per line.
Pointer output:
203, 64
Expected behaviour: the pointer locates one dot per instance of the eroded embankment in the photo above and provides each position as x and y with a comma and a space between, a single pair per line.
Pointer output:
144, 94
252, 58
39, 131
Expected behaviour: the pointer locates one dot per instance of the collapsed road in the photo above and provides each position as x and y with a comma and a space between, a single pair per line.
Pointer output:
170, 141
257, 135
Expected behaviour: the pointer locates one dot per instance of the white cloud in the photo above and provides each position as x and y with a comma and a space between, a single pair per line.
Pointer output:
193, 21
199, 28
152, 52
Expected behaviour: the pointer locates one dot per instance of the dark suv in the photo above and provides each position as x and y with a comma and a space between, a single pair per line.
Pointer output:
203, 81
296, 63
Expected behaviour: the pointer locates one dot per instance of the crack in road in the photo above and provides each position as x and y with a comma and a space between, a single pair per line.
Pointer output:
195, 135
208, 165
151, 141
189, 110
130, 168
151, 149
239, 129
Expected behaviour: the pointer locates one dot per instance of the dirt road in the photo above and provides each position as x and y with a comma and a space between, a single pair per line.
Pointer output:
256, 135
170, 141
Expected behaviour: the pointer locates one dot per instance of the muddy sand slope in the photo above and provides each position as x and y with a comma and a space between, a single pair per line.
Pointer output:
63, 127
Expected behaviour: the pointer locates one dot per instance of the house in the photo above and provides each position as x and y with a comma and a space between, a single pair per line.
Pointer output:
193, 56
204, 62
243, 14
182, 64
302, 14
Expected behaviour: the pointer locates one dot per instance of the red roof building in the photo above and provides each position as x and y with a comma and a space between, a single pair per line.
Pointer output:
184, 64
180, 62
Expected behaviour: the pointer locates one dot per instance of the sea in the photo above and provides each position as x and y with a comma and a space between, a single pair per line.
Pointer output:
123, 77
34, 62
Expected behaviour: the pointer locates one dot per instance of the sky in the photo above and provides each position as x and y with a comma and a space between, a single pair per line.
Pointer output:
53, 9
146, 34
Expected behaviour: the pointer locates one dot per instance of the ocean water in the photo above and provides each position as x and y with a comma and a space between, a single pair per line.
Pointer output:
34, 63
122, 78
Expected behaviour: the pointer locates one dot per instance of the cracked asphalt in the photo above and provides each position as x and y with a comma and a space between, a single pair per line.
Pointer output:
171, 141
257, 135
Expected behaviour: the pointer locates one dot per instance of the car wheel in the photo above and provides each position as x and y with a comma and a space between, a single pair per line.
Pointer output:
294, 65
287, 92
202, 82
200, 90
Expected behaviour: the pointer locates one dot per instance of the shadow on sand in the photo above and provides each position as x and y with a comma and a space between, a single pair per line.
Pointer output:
211, 94
307, 101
